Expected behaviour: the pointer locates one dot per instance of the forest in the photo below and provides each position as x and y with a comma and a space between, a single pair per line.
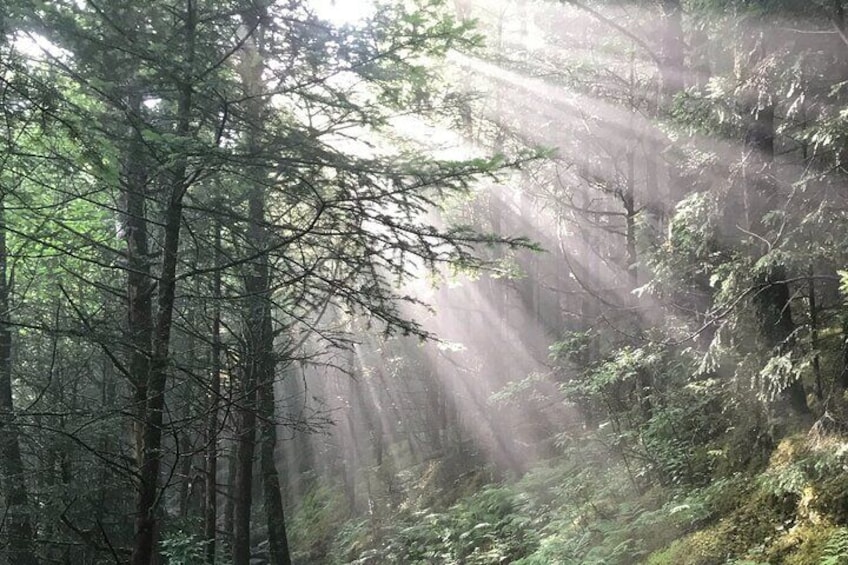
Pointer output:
457, 282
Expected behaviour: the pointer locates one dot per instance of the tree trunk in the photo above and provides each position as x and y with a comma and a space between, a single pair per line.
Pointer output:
17, 523
814, 333
272, 495
230, 500
261, 362
139, 282
147, 500
243, 480
259, 336
777, 326
212, 424
299, 457
773, 300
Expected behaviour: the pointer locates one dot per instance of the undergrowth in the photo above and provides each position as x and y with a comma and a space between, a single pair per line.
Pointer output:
591, 510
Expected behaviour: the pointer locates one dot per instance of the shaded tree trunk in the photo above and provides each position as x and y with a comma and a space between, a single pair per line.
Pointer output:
210, 527
228, 524
243, 478
773, 301
147, 500
259, 336
777, 326
17, 524
272, 494
140, 284
814, 333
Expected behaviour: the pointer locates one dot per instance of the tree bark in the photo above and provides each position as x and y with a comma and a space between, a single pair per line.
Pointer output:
212, 425
139, 282
17, 524
272, 494
259, 336
261, 362
814, 333
147, 499
243, 480
773, 301
229, 502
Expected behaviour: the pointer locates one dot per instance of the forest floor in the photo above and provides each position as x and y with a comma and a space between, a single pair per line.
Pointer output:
788, 506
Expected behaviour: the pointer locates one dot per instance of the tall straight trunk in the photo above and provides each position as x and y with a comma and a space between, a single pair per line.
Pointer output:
814, 332
256, 297
365, 407
777, 326
298, 455
139, 282
260, 343
187, 438
109, 490
843, 375
17, 525
212, 425
147, 500
272, 493
243, 478
674, 76
228, 521
187, 484
259, 337
350, 442
628, 198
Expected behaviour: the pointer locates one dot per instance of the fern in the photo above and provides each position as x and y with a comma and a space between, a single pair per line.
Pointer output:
836, 550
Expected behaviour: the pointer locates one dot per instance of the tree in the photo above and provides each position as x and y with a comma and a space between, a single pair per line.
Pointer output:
149, 147
16, 500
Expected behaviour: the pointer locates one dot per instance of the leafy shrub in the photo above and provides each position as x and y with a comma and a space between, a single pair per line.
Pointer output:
315, 522
832, 498
351, 541
490, 526
182, 548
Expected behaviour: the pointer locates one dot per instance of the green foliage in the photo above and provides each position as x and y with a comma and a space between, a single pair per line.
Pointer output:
835, 552
831, 498
491, 526
315, 522
183, 548
672, 460
351, 541
843, 283
584, 508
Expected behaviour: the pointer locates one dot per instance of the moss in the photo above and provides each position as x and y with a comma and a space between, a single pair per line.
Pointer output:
665, 556
725, 499
749, 517
831, 498
789, 450
704, 547
783, 513
802, 545
746, 448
